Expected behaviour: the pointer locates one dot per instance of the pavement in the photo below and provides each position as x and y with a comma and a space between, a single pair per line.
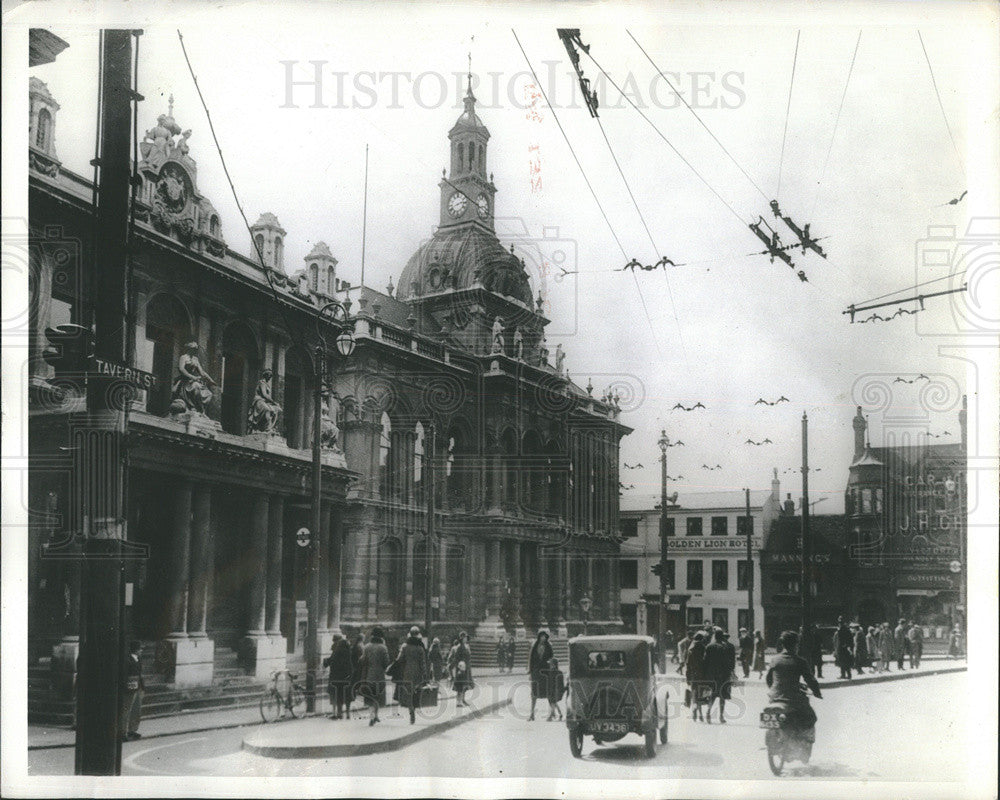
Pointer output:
318, 736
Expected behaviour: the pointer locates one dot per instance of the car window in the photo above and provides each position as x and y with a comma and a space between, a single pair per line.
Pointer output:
606, 660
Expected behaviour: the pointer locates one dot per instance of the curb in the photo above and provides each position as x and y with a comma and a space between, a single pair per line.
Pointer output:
146, 736
898, 676
369, 748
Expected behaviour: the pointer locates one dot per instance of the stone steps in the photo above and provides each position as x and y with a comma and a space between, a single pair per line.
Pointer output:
484, 653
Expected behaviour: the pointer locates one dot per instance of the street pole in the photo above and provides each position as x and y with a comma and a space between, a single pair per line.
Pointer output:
312, 619
749, 524
806, 588
428, 478
661, 628
99, 440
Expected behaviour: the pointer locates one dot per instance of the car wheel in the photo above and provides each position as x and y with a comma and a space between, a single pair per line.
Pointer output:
650, 743
576, 743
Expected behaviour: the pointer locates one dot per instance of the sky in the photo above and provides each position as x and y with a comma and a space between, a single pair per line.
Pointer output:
724, 329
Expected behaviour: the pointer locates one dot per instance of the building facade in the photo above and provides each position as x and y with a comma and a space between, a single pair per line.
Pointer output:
451, 383
707, 569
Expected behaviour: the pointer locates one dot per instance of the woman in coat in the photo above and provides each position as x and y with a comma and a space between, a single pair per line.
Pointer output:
871, 642
694, 670
885, 645
759, 664
843, 644
538, 661
861, 658
341, 672
375, 661
436, 658
357, 671
415, 670
461, 667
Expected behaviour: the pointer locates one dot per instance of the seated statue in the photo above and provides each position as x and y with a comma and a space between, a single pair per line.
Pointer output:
329, 433
263, 414
190, 392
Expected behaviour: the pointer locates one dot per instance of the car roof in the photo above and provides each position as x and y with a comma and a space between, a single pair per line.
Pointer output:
623, 638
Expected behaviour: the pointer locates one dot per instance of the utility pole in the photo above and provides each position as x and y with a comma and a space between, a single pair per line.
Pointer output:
430, 445
316, 522
749, 524
99, 439
661, 627
806, 581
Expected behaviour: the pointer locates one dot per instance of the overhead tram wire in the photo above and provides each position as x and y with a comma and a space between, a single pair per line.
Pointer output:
586, 180
292, 331
669, 144
911, 288
788, 108
930, 69
697, 117
656, 251
833, 135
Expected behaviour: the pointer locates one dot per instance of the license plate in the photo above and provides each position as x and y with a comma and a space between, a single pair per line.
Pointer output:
770, 723
608, 727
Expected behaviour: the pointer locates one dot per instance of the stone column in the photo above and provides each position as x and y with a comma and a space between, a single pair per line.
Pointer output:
275, 536
180, 560
201, 562
259, 653
409, 580
442, 572
335, 551
322, 545
496, 479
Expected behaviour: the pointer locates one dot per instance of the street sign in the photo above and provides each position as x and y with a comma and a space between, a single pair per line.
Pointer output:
673, 606
123, 372
302, 537
955, 566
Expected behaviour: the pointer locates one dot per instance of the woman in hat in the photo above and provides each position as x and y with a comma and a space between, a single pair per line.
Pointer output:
436, 658
694, 670
415, 672
462, 680
339, 680
375, 661
538, 659
759, 664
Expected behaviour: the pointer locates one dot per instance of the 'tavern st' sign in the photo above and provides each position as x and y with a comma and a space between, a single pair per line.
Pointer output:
131, 375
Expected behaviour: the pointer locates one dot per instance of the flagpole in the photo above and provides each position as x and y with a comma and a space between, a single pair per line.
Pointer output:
364, 222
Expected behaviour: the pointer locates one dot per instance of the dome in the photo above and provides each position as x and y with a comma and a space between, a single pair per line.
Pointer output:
468, 120
457, 259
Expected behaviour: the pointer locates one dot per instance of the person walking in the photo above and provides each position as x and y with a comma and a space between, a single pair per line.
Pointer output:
720, 661
759, 664
861, 657
339, 680
133, 687
374, 662
843, 644
461, 668
511, 652
955, 643
885, 645
694, 670
555, 687
899, 644
538, 659
436, 658
915, 636
415, 670
502, 653
871, 642
450, 661
746, 651
357, 671
682, 650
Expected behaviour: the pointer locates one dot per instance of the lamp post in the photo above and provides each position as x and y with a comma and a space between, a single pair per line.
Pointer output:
585, 604
661, 625
806, 587
332, 318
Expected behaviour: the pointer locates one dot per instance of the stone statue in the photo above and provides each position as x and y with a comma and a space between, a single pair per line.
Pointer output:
518, 344
329, 433
560, 358
263, 414
499, 344
191, 390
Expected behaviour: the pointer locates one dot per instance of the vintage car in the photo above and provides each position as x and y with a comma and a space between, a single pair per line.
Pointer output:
613, 691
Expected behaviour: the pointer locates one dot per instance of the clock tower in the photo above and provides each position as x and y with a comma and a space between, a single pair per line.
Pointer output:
467, 193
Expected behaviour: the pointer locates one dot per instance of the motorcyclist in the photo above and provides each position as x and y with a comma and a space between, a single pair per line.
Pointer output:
783, 677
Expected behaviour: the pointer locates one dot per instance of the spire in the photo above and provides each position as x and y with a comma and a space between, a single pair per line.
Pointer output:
170, 105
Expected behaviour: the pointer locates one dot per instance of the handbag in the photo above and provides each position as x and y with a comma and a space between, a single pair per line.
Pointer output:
427, 696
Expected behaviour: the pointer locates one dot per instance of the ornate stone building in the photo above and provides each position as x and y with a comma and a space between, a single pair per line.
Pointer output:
525, 463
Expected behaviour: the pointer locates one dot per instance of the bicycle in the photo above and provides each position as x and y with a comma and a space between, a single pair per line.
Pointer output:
283, 694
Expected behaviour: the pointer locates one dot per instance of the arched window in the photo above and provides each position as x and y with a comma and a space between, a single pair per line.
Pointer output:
43, 129
460, 149
240, 364
314, 277
331, 281
418, 464
510, 469
167, 331
279, 252
259, 241
455, 580
214, 227
472, 155
419, 577
390, 573
482, 158
293, 406
384, 458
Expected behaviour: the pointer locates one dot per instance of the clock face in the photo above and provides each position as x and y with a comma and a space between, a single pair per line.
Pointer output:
483, 205
457, 204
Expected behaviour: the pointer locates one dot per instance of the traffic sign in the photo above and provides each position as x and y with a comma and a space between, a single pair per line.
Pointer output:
302, 537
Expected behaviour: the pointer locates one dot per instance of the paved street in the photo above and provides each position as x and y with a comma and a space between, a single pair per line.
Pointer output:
864, 732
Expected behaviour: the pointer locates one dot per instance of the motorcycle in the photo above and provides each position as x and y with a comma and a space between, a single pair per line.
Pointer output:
786, 738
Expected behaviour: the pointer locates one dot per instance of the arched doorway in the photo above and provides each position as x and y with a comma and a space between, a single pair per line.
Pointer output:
167, 331
240, 363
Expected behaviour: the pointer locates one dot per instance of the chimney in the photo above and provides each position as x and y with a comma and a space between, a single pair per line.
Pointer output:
860, 425
789, 507
775, 488
963, 423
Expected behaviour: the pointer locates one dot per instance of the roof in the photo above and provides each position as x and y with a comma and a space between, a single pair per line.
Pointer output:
827, 533
696, 501
627, 637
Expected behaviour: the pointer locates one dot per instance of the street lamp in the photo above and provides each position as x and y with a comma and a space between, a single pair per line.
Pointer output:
661, 625
585, 604
332, 318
